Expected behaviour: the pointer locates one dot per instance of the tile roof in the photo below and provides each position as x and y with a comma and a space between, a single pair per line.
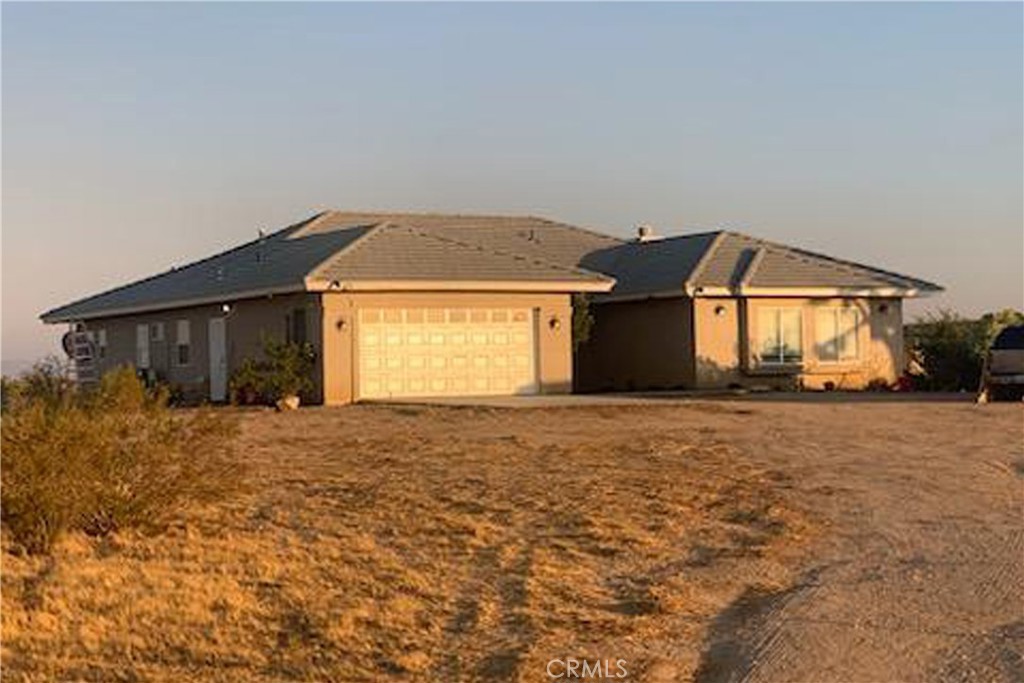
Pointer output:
541, 238
396, 251
731, 260
344, 248
336, 246
274, 263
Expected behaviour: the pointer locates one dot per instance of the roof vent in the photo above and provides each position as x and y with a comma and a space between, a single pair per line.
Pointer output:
645, 233
261, 238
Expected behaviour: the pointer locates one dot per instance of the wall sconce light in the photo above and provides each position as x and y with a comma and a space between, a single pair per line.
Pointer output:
340, 324
555, 324
720, 311
225, 308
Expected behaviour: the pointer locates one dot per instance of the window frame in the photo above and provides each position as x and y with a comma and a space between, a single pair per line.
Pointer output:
836, 312
143, 355
292, 320
179, 325
101, 343
779, 361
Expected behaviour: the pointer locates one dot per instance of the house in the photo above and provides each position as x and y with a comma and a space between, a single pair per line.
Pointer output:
425, 304
722, 309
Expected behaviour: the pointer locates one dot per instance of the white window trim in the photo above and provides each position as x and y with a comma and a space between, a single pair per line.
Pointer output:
143, 361
836, 310
779, 362
182, 337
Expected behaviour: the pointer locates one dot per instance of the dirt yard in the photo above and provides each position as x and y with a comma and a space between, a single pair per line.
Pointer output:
767, 540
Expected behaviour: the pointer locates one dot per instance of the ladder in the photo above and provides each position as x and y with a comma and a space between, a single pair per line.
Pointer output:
83, 356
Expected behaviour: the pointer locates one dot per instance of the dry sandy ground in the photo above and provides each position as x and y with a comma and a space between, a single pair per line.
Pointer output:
708, 541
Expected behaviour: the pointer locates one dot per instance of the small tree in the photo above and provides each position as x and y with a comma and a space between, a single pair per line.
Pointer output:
286, 369
582, 320
290, 368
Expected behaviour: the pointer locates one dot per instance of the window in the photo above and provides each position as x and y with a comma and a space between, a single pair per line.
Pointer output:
296, 326
836, 333
142, 347
779, 331
101, 343
156, 332
183, 343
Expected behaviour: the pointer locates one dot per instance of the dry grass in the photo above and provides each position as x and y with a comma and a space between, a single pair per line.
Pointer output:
421, 544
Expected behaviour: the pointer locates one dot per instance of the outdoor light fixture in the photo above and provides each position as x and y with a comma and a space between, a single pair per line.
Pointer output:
883, 308
225, 308
339, 324
719, 311
554, 323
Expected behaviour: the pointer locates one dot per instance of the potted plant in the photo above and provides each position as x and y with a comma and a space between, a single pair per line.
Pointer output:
279, 378
289, 372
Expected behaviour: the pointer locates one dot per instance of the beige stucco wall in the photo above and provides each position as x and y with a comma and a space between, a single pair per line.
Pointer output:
638, 345
340, 334
725, 347
718, 344
246, 323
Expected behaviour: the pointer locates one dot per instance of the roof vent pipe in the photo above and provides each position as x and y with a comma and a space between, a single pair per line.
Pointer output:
645, 233
261, 238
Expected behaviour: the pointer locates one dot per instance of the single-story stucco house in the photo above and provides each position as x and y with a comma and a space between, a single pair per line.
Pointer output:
399, 305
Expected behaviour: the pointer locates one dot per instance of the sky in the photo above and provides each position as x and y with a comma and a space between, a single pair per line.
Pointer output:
137, 136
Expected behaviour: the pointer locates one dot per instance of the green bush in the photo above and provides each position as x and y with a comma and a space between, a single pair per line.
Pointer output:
952, 349
112, 458
286, 369
582, 320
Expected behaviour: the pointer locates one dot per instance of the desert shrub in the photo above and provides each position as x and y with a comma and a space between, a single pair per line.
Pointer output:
951, 349
112, 458
48, 382
286, 369
10, 391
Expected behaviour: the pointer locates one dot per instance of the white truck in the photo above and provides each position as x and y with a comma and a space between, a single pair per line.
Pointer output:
1003, 375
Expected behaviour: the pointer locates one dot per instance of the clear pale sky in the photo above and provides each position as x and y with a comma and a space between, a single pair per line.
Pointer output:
136, 136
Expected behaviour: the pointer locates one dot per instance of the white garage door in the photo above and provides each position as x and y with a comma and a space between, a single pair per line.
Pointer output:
446, 352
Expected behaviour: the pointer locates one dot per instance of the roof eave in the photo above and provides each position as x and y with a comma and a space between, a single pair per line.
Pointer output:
430, 285
751, 291
57, 316
812, 291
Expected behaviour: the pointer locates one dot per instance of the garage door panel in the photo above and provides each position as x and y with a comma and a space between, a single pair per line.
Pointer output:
437, 352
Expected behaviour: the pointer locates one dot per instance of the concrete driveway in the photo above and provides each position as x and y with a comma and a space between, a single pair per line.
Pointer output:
670, 397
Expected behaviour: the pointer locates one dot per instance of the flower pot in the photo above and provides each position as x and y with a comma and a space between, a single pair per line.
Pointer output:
288, 403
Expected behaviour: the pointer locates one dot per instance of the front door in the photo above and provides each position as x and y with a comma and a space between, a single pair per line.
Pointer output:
218, 360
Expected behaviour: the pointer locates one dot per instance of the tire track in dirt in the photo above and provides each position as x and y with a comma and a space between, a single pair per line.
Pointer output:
514, 635
921, 577
749, 632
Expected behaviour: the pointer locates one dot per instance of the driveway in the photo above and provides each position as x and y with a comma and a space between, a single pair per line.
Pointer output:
921, 575
672, 397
